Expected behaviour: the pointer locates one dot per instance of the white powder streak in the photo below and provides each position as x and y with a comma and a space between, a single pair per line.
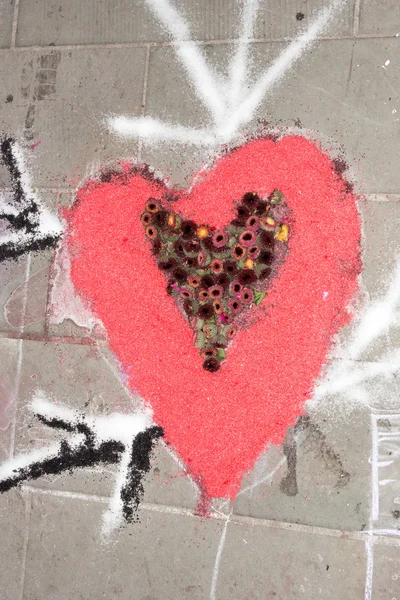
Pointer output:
275, 72
49, 224
218, 557
146, 128
239, 64
190, 55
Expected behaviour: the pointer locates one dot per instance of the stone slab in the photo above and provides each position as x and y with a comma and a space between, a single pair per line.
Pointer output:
66, 23
163, 556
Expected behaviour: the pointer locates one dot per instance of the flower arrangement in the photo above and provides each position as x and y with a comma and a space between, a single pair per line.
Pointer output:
216, 276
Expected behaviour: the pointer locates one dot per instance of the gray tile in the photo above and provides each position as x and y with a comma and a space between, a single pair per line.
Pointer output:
9, 383
24, 293
379, 18
66, 112
61, 23
386, 570
354, 105
13, 520
163, 556
266, 562
171, 98
88, 379
6, 22
381, 222
285, 20
325, 484
381, 247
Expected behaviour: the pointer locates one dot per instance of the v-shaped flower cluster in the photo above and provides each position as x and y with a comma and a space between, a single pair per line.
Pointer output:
215, 276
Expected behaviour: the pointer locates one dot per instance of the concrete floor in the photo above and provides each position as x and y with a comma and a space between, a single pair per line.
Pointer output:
305, 525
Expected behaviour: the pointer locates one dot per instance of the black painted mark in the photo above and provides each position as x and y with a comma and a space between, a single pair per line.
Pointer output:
89, 454
300, 16
132, 492
25, 219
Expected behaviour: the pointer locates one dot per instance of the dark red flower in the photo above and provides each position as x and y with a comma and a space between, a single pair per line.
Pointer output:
151, 232
238, 251
218, 306
152, 205
211, 364
205, 311
223, 280
188, 228
230, 267
267, 239
192, 246
216, 292
261, 208
167, 265
253, 223
247, 238
156, 246
220, 239
265, 273
178, 247
190, 307
180, 275
191, 261
230, 334
203, 295
242, 212
235, 287
217, 266
265, 257
250, 199
247, 296
207, 281
209, 352
253, 252
146, 218
235, 306
247, 276
160, 218
194, 280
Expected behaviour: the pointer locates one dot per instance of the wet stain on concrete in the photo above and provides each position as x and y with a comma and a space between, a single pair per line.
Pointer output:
316, 440
288, 484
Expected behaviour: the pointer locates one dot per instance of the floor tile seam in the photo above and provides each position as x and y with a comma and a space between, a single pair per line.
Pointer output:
233, 517
14, 25
356, 18
52, 339
213, 42
371, 197
28, 509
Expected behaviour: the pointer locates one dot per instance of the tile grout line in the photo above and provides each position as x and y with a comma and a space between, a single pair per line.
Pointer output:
233, 518
356, 18
28, 509
14, 25
163, 44
144, 95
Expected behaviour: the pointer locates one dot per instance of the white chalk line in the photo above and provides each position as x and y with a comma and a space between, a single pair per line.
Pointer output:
229, 108
239, 63
191, 56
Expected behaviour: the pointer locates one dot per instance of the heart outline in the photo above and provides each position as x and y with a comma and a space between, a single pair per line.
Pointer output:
220, 423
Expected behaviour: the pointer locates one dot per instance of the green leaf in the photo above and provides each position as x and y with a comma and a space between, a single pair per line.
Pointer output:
212, 329
221, 354
259, 297
199, 324
276, 197
200, 340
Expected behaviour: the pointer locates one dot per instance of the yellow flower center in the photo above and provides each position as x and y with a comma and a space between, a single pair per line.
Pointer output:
202, 232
